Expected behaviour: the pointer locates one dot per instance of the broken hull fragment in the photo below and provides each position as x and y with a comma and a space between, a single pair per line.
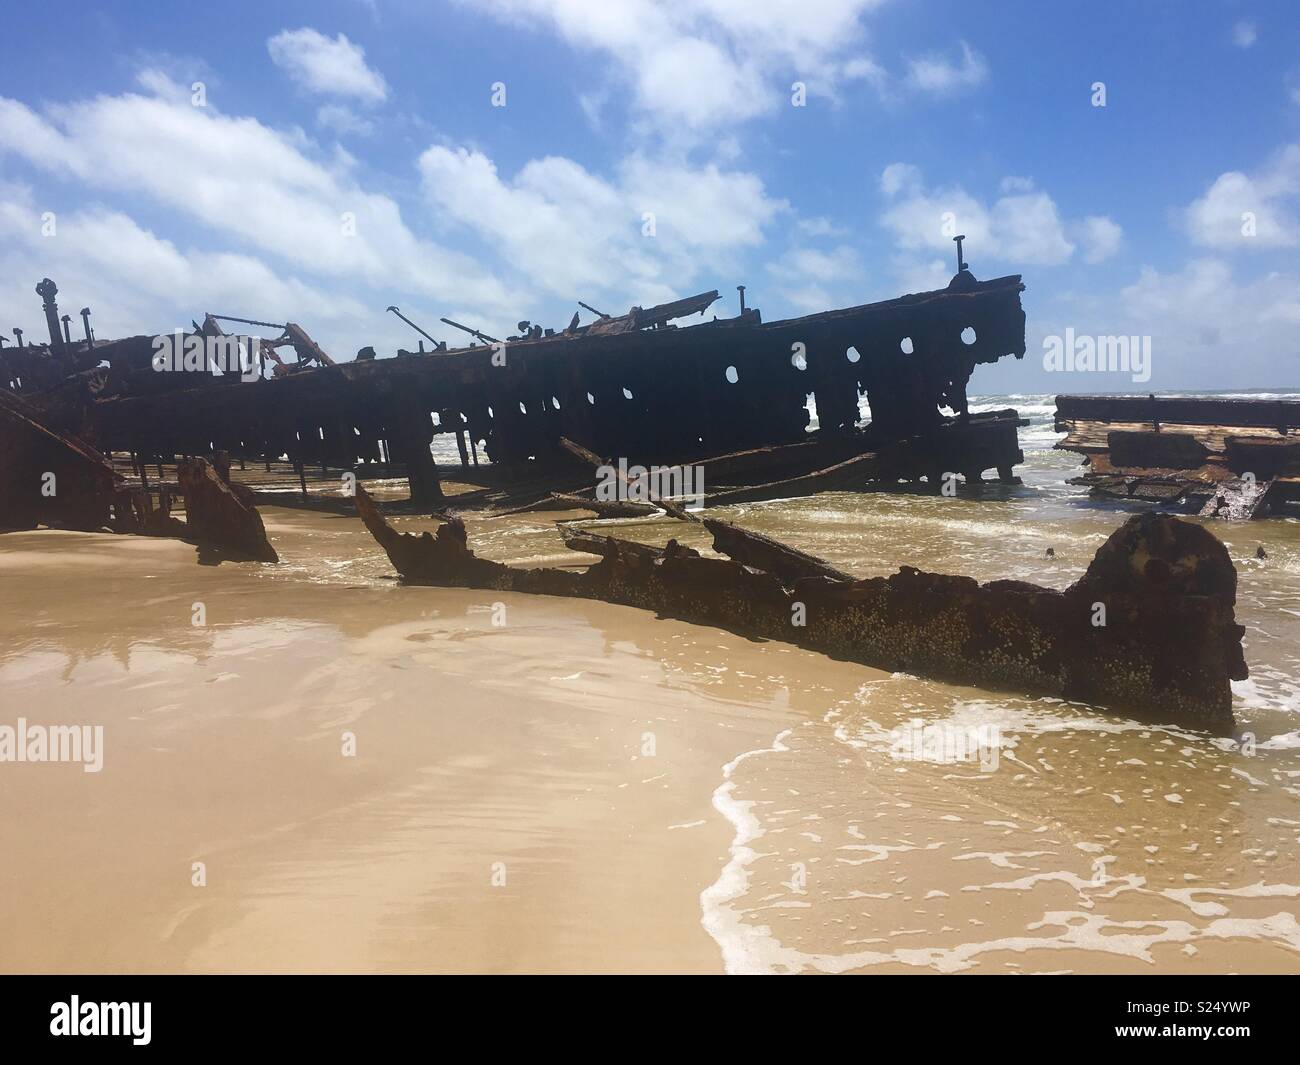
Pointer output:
1166, 649
1236, 459
48, 477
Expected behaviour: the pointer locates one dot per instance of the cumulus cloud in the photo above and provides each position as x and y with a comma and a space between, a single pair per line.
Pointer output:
327, 67
1022, 226
244, 182
1244, 34
1249, 212
1201, 317
810, 277
133, 279
864, 68
1100, 237
343, 120
574, 231
818, 226
702, 63
1209, 325
939, 75
271, 204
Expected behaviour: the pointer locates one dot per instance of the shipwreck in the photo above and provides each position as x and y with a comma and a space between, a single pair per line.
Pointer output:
1229, 458
732, 390
731, 400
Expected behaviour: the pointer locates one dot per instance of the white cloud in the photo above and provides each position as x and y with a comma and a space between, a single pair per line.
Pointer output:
938, 75
811, 264
1204, 323
1101, 238
343, 120
134, 281
1021, 227
1244, 34
864, 68
702, 63
1028, 229
819, 226
1209, 328
574, 232
327, 67
247, 183
899, 176
1236, 203
814, 280
912, 273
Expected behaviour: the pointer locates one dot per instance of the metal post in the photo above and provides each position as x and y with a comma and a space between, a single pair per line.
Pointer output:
47, 290
85, 321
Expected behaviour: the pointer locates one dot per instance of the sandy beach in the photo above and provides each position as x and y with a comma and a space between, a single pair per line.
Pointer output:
379, 778
478, 749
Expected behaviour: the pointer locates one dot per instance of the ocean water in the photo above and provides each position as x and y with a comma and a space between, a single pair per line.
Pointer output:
1014, 834
867, 822
1072, 839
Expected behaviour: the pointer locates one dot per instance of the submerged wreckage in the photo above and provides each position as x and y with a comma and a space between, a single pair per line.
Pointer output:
1168, 648
729, 398
1220, 458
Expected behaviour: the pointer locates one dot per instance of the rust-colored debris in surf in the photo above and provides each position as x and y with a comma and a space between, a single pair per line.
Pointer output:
1221, 458
52, 478
1148, 629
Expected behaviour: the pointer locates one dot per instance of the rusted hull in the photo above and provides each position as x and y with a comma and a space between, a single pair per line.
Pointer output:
49, 477
1166, 648
663, 394
55, 479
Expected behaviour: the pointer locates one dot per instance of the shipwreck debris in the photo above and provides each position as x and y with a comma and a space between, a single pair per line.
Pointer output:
52, 478
222, 515
48, 477
639, 386
1222, 458
1166, 648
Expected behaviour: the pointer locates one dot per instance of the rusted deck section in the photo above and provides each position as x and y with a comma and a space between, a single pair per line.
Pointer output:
1228, 458
1167, 648
634, 386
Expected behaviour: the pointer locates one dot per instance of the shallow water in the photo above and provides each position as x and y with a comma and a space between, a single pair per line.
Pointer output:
775, 828
1072, 839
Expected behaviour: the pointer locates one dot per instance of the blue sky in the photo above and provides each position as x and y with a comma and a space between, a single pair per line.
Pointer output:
1124, 219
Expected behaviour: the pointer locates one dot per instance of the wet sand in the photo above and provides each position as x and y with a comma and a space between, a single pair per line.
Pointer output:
475, 745
571, 786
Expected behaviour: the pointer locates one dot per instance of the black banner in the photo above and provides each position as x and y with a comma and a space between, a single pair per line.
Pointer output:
170, 1013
